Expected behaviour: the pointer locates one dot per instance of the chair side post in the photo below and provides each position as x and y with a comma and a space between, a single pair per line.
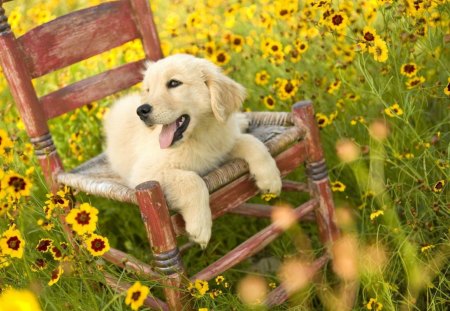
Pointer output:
31, 112
162, 238
303, 114
146, 26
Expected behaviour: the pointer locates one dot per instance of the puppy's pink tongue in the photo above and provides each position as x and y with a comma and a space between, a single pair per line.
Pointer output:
166, 135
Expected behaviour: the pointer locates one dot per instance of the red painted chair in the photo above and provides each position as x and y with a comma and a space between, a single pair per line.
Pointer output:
292, 138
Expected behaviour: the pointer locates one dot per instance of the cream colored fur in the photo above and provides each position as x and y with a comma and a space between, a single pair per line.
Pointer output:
213, 136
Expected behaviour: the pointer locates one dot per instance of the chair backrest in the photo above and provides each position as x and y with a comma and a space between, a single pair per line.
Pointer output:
65, 41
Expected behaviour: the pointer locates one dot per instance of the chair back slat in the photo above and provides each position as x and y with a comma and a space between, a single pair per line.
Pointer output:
77, 36
93, 88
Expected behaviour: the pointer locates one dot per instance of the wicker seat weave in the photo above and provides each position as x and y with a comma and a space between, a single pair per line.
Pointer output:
96, 177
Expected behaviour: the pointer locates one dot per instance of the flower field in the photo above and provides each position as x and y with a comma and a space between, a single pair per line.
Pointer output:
378, 73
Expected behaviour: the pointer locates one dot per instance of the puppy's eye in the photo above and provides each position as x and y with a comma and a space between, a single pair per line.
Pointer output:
172, 83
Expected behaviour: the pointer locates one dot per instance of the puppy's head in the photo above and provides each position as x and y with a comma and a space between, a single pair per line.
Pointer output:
180, 91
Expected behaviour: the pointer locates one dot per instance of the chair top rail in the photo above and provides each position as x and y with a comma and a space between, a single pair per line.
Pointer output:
90, 89
77, 36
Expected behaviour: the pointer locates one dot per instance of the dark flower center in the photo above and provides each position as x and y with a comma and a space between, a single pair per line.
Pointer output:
136, 295
221, 58
269, 101
83, 218
56, 199
337, 20
410, 68
438, 185
43, 245
13, 243
369, 36
56, 252
17, 183
98, 245
289, 87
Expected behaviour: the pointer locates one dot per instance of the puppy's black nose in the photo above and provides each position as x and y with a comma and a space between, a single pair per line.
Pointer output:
143, 111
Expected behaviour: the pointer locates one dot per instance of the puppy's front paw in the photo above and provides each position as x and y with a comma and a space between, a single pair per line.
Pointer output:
198, 226
268, 180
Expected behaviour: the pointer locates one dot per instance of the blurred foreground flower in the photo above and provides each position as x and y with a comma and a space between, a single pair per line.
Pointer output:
136, 295
18, 300
345, 258
347, 150
252, 290
283, 216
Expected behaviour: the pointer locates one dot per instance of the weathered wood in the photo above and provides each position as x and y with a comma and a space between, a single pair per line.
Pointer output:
167, 259
77, 36
121, 286
252, 245
147, 29
126, 261
22, 90
243, 188
289, 185
303, 113
93, 88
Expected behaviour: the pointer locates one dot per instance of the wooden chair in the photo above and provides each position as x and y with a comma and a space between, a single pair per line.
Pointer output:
292, 138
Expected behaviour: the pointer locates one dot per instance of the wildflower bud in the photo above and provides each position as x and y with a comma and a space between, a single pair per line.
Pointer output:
252, 290
347, 150
345, 262
295, 275
379, 130
283, 216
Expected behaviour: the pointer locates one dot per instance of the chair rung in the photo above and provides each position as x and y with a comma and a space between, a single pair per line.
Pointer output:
280, 294
289, 185
262, 211
121, 286
251, 246
126, 261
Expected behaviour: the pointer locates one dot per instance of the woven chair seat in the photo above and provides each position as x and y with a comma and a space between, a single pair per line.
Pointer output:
96, 177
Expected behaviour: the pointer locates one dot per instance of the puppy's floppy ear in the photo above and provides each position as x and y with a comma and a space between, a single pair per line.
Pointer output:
226, 94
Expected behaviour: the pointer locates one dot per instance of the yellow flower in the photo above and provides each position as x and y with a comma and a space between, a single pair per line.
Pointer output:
83, 219
136, 295
45, 224
269, 102
426, 248
18, 300
415, 81
409, 70
220, 57
379, 50
5, 142
16, 185
59, 199
438, 186
393, 110
333, 87
288, 88
369, 34
55, 276
268, 196
447, 88
337, 21
198, 289
338, 186
262, 77
219, 279
97, 245
376, 214
44, 245
12, 243
373, 304
322, 120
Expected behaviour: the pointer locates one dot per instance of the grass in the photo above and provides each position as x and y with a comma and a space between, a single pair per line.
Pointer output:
393, 212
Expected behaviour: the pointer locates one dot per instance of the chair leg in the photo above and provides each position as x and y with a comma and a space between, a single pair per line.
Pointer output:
162, 238
303, 113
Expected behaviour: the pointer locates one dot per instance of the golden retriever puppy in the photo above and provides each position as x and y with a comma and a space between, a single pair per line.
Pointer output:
183, 125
